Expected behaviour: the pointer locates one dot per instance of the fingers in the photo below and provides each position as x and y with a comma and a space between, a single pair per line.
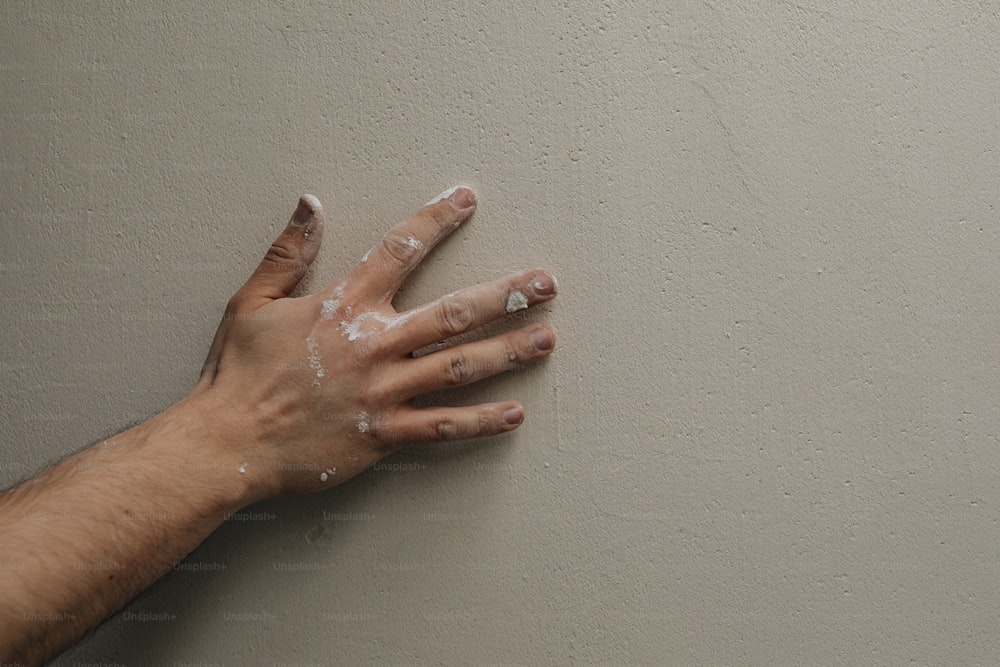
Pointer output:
464, 364
403, 247
408, 424
469, 308
288, 258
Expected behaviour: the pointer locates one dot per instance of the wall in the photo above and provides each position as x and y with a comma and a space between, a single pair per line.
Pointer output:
770, 432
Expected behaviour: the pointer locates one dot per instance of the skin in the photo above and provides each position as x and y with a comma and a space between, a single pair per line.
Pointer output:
297, 395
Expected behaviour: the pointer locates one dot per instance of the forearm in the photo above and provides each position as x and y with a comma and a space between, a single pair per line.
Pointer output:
84, 537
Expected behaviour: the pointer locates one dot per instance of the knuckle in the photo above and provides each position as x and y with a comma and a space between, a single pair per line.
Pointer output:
511, 353
381, 392
400, 247
487, 423
445, 429
454, 316
283, 257
281, 253
458, 371
374, 348
376, 433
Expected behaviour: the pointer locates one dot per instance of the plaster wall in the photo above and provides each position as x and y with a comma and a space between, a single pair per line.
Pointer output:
769, 434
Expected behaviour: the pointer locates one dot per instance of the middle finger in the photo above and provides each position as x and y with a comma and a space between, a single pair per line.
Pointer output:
468, 309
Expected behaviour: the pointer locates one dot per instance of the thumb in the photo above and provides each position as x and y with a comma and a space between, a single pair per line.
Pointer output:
288, 258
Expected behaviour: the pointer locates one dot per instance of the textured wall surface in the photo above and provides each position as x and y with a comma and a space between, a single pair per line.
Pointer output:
770, 432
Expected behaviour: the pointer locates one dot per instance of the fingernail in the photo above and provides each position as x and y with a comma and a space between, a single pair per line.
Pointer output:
544, 284
541, 339
462, 198
307, 209
513, 416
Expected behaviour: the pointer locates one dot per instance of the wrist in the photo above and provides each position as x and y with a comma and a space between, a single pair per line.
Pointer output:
199, 442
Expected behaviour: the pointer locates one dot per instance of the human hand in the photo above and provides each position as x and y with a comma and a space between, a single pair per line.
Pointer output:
304, 393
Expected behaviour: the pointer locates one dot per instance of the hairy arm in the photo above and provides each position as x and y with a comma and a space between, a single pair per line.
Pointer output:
86, 536
297, 395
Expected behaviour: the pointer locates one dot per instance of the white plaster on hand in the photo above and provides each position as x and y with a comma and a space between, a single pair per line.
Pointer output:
516, 301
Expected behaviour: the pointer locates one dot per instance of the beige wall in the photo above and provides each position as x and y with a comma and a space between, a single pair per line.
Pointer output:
770, 432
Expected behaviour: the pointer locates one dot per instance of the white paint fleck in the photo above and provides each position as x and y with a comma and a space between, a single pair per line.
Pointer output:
414, 243
363, 425
323, 477
444, 195
242, 468
359, 327
313, 202
331, 305
402, 318
329, 310
314, 362
516, 301
353, 329
368, 254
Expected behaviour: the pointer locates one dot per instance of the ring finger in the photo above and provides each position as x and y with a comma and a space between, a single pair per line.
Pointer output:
470, 362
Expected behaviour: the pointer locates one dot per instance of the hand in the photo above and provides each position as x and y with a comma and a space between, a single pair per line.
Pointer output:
304, 393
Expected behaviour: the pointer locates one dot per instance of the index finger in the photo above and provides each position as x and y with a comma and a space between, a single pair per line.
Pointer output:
385, 267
